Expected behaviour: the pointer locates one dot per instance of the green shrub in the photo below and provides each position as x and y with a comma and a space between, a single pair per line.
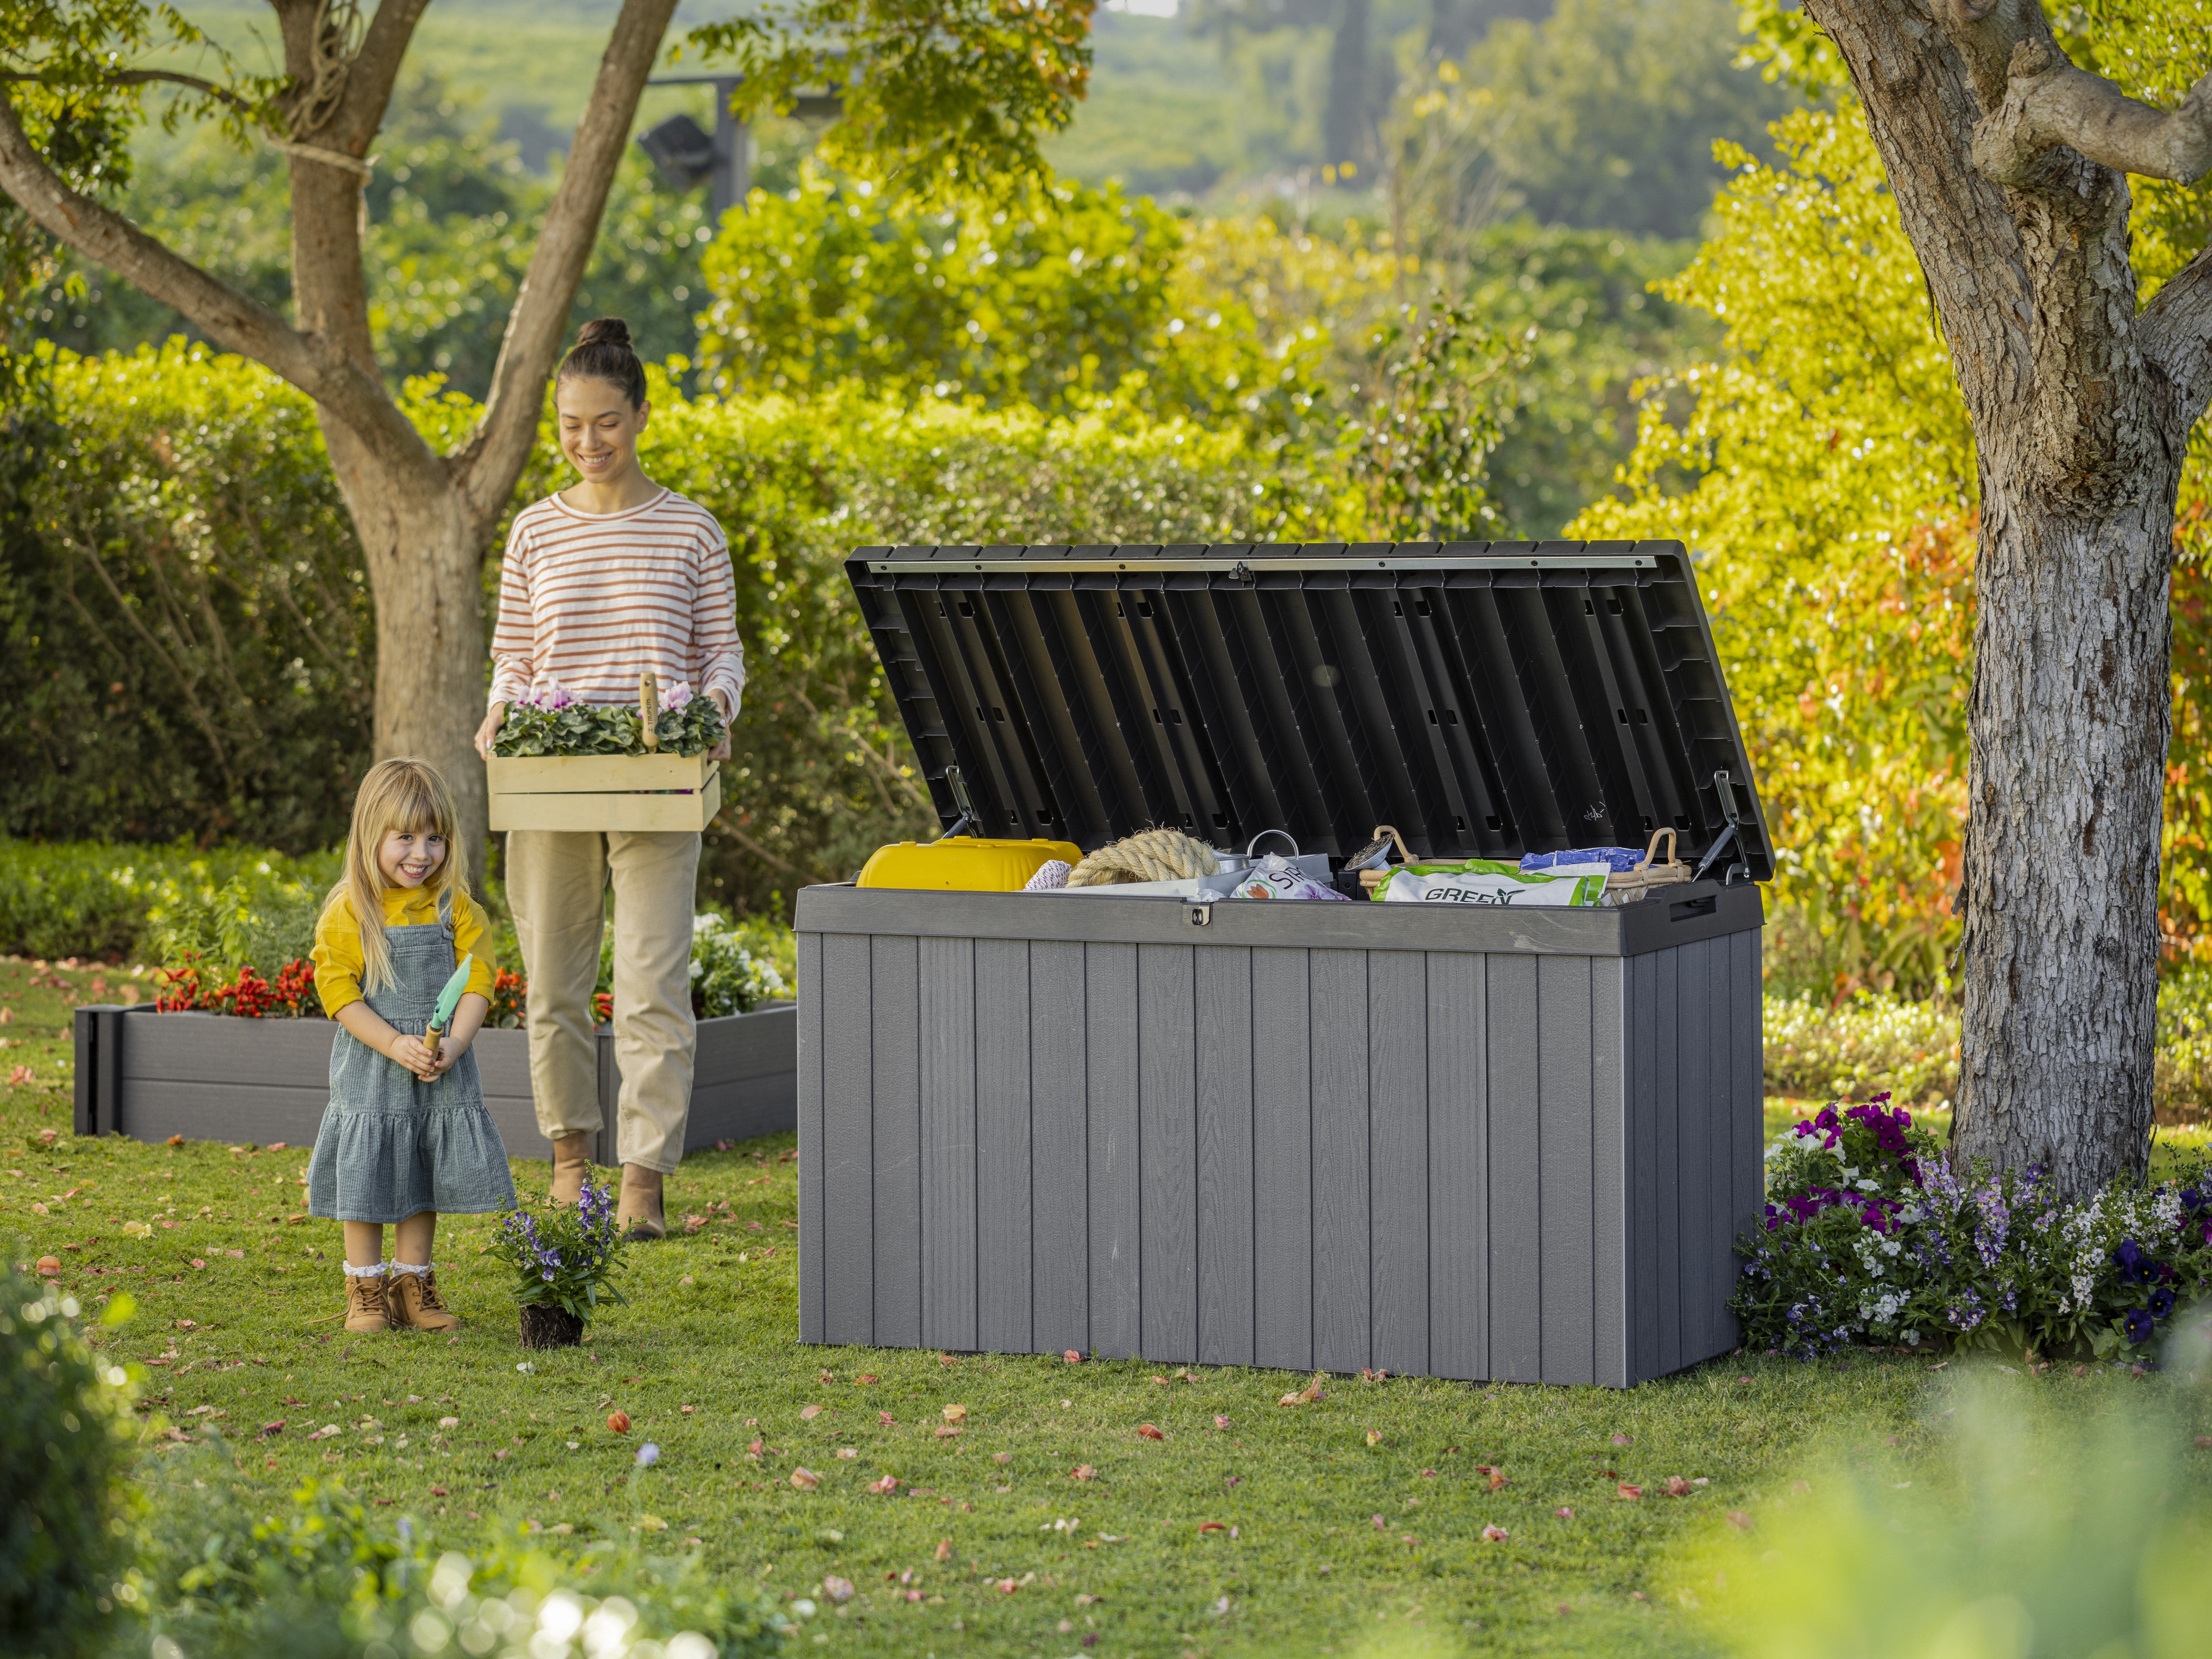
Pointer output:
2183, 1084
1862, 1047
320, 1580
61, 1455
102, 900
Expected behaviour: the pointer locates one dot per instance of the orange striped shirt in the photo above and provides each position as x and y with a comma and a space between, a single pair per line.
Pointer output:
588, 601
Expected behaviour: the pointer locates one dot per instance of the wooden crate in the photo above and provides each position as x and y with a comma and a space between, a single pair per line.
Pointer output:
603, 791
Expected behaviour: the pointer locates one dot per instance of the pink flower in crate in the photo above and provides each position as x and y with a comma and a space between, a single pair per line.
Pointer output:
675, 696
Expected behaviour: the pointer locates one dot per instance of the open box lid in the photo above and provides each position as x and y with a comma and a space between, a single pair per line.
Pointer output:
1488, 699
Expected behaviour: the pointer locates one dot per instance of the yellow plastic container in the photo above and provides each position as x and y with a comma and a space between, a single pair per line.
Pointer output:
962, 863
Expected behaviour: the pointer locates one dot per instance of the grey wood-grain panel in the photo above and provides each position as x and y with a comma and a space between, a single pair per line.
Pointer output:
947, 968
1458, 1173
895, 993
1517, 1285
1342, 1228
738, 1047
1609, 1196
1746, 1131
1643, 1154
810, 1265
1398, 1192
255, 1113
1625, 930
1667, 1078
1223, 986
1694, 987
1282, 1161
1004, 1286
1563, 1018
195, 1047
1167, 1069
1117, 1211
1060, 1247
848, 1135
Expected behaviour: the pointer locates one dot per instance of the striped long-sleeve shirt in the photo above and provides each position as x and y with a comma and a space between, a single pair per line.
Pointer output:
589, 600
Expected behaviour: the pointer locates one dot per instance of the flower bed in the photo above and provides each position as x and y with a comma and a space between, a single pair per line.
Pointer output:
1872, 1235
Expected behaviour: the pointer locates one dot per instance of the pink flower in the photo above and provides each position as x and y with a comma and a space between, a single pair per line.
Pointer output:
675, 696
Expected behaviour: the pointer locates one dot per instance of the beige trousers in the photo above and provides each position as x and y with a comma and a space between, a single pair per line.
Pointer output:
556, 882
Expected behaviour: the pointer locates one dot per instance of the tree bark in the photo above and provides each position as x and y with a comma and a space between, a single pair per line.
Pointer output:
2081, 413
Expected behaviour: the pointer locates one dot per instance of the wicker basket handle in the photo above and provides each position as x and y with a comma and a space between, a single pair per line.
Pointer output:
1651, 852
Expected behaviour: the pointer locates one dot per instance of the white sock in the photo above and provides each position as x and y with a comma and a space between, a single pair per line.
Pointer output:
410, 1267
352, 1272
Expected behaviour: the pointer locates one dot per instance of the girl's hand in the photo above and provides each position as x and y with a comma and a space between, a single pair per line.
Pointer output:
450, 1050
414, 1054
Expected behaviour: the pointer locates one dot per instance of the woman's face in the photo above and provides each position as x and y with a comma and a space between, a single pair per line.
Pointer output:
408, 856
598, 429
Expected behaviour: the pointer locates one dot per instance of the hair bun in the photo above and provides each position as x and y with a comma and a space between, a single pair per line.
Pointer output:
604, 331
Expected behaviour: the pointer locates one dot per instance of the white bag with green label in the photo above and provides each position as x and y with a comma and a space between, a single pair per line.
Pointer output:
1484, 881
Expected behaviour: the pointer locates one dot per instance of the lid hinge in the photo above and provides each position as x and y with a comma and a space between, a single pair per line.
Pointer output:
966, 821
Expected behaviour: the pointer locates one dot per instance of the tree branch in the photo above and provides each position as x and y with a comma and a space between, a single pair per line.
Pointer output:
375, 70
141, 78
487, 465
2175, 334
2048, 102
225, 315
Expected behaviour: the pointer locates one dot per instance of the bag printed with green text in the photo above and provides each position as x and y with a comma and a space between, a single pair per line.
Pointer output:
1484, 881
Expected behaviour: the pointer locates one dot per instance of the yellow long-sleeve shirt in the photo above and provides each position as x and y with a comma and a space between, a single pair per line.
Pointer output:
338, 942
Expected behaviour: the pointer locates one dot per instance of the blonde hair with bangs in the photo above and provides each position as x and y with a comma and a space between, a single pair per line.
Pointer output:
406, 795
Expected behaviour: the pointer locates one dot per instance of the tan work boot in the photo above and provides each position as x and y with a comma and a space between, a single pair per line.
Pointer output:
417, 1306
639, 1214
367, 1308
572, 1165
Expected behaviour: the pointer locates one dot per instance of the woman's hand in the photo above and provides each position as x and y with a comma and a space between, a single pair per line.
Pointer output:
722, 751
489, 729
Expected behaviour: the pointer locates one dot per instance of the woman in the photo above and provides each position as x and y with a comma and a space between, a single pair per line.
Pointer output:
603, 581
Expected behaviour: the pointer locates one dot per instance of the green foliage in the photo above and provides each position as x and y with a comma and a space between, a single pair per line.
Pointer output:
944, 99
556, 725
63, 1412
565, 1256
732, 973
2036, 1527
1071, 296
1867, 1044
1824, 469
189, 647
1418, 457
1605, 115
100, 900
320, 1578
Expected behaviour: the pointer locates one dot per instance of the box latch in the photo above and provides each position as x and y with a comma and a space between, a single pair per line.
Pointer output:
1201, 915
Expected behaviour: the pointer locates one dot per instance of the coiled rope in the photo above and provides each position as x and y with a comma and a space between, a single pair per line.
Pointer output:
1149, 855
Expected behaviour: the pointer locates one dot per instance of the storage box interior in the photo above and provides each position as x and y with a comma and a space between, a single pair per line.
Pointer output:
1488, 699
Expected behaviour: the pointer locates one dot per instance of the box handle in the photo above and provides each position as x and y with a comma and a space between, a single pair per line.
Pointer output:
1690, 910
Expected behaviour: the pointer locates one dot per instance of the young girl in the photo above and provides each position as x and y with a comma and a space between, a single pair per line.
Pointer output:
406, 1134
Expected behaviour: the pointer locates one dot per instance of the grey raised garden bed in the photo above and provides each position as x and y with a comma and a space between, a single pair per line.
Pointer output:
210, 1077
1489, 1142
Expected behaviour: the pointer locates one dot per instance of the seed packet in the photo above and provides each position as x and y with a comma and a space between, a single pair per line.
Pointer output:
1484, 881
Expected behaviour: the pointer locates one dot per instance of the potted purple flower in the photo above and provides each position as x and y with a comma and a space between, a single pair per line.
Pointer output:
564, 1258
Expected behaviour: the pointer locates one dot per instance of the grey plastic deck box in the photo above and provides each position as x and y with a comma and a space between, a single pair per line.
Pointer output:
1483, 1144
212, 1076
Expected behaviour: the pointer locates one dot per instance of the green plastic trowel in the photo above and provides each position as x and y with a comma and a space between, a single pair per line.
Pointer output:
448, 1000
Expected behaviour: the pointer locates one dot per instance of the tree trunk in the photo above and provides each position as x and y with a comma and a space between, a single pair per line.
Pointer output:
2069, 720
424, 550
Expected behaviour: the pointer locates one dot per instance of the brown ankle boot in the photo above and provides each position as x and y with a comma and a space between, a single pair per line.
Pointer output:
367, 1308
572, 1165
416, 1303
639, 1214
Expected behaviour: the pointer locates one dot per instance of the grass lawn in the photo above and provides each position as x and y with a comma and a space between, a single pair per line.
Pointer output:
1248, 1526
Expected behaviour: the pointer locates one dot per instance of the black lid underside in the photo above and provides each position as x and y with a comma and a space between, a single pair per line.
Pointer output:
1488, 699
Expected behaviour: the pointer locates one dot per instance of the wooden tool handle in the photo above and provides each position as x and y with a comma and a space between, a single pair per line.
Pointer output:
648, 707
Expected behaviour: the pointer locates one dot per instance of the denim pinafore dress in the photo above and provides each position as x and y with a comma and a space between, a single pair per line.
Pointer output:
392, 1146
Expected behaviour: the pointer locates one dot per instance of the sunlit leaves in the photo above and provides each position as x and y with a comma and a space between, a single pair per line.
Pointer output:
945, 98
